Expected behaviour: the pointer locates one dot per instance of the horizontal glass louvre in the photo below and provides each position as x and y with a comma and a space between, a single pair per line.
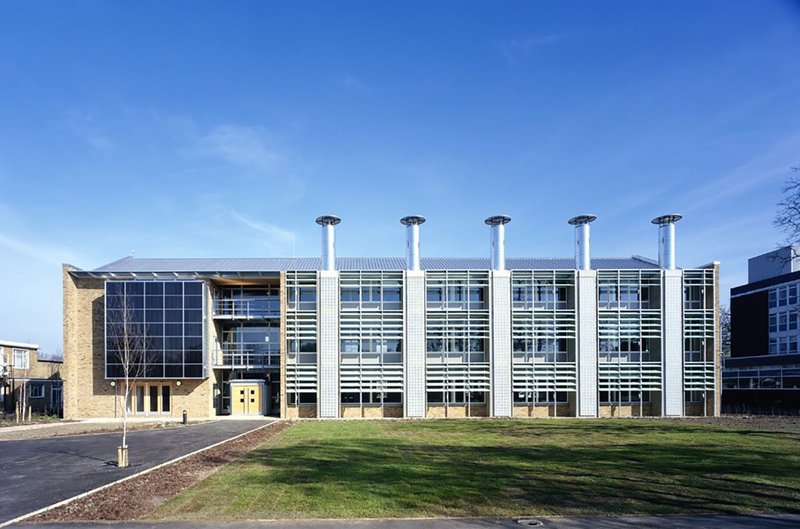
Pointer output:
154, 329
301, 338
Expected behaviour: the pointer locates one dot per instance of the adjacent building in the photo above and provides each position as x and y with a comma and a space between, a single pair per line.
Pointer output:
23, 371
762, 374
409, 337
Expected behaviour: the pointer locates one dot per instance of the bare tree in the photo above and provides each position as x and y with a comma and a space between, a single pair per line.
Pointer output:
725, 330
787, 218
128, 344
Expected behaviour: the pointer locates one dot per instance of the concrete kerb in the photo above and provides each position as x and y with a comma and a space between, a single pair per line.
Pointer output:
122, 480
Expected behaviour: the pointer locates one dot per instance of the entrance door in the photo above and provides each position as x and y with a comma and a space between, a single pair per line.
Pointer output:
247, 399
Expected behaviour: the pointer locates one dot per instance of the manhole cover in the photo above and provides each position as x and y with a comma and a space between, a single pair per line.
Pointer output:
530, 522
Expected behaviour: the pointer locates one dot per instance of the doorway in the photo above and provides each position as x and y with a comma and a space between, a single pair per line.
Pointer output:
248, 397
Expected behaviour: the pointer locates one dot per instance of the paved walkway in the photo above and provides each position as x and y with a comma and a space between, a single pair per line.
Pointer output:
37, 473
781, 521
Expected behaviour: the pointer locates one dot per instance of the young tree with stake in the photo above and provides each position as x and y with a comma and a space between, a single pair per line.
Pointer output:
129, 344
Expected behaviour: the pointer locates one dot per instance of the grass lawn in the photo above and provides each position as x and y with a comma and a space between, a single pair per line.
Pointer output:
375, 469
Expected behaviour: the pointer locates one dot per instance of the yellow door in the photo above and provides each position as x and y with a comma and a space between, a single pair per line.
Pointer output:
254, 400
239, 404
247, 399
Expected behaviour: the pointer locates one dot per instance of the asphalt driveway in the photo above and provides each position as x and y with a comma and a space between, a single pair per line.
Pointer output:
37, 473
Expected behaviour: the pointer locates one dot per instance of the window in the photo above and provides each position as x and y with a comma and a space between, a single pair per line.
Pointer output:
541, 397
793, 294
624, 397
36, 390
782, 297
293, 398
159, 324
435, 295
782, 321
773, 323
695, 396
773, 299
20, 359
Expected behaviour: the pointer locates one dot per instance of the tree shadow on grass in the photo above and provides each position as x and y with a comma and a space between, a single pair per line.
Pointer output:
397, 476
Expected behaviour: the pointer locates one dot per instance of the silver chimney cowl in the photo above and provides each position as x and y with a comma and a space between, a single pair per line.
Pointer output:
412, 223
583, 260
328, 240
498, 240
666, 240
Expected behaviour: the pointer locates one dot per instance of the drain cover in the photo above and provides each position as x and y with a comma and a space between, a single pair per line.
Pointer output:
530, 522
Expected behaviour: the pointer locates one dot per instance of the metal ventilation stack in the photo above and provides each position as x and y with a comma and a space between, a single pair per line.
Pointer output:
500, 295
583, 259
412, 224
666, 239
328, 240
328, 325
498, 240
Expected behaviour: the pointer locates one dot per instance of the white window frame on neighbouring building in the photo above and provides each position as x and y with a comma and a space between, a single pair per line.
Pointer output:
36, 390
20, 359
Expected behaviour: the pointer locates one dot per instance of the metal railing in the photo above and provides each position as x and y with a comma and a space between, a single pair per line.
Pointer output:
249, 308
244, 355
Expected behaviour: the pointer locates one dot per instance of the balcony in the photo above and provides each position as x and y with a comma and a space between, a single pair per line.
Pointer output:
252, 308
237, 355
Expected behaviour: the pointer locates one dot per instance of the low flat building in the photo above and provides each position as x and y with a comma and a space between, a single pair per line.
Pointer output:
762, 375
395, 337
23, 370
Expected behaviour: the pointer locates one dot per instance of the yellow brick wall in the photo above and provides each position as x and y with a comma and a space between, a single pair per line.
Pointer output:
304, 411
87, 393
626, 410
544, 410
36, 368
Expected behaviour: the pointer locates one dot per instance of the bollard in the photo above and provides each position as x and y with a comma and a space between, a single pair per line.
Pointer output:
185, 417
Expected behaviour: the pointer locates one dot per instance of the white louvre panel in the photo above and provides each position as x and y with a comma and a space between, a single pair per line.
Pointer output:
630, 376
328, 317
414, 344
501, 343
699, 330
459, 377
371, 378
699, 376
587, 343
550, 376
301, 378
673, 342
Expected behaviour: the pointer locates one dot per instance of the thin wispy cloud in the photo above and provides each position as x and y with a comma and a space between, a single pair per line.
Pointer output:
516, 50
352, 82
775, 165
247, 147
274, 236
84, 126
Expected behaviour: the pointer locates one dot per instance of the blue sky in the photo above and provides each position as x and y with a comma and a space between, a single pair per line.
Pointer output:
176, 129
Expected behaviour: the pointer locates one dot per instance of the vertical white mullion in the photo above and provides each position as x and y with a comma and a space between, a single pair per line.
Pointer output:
414, 343
500, 326
672, 347
328, 330
586, 286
